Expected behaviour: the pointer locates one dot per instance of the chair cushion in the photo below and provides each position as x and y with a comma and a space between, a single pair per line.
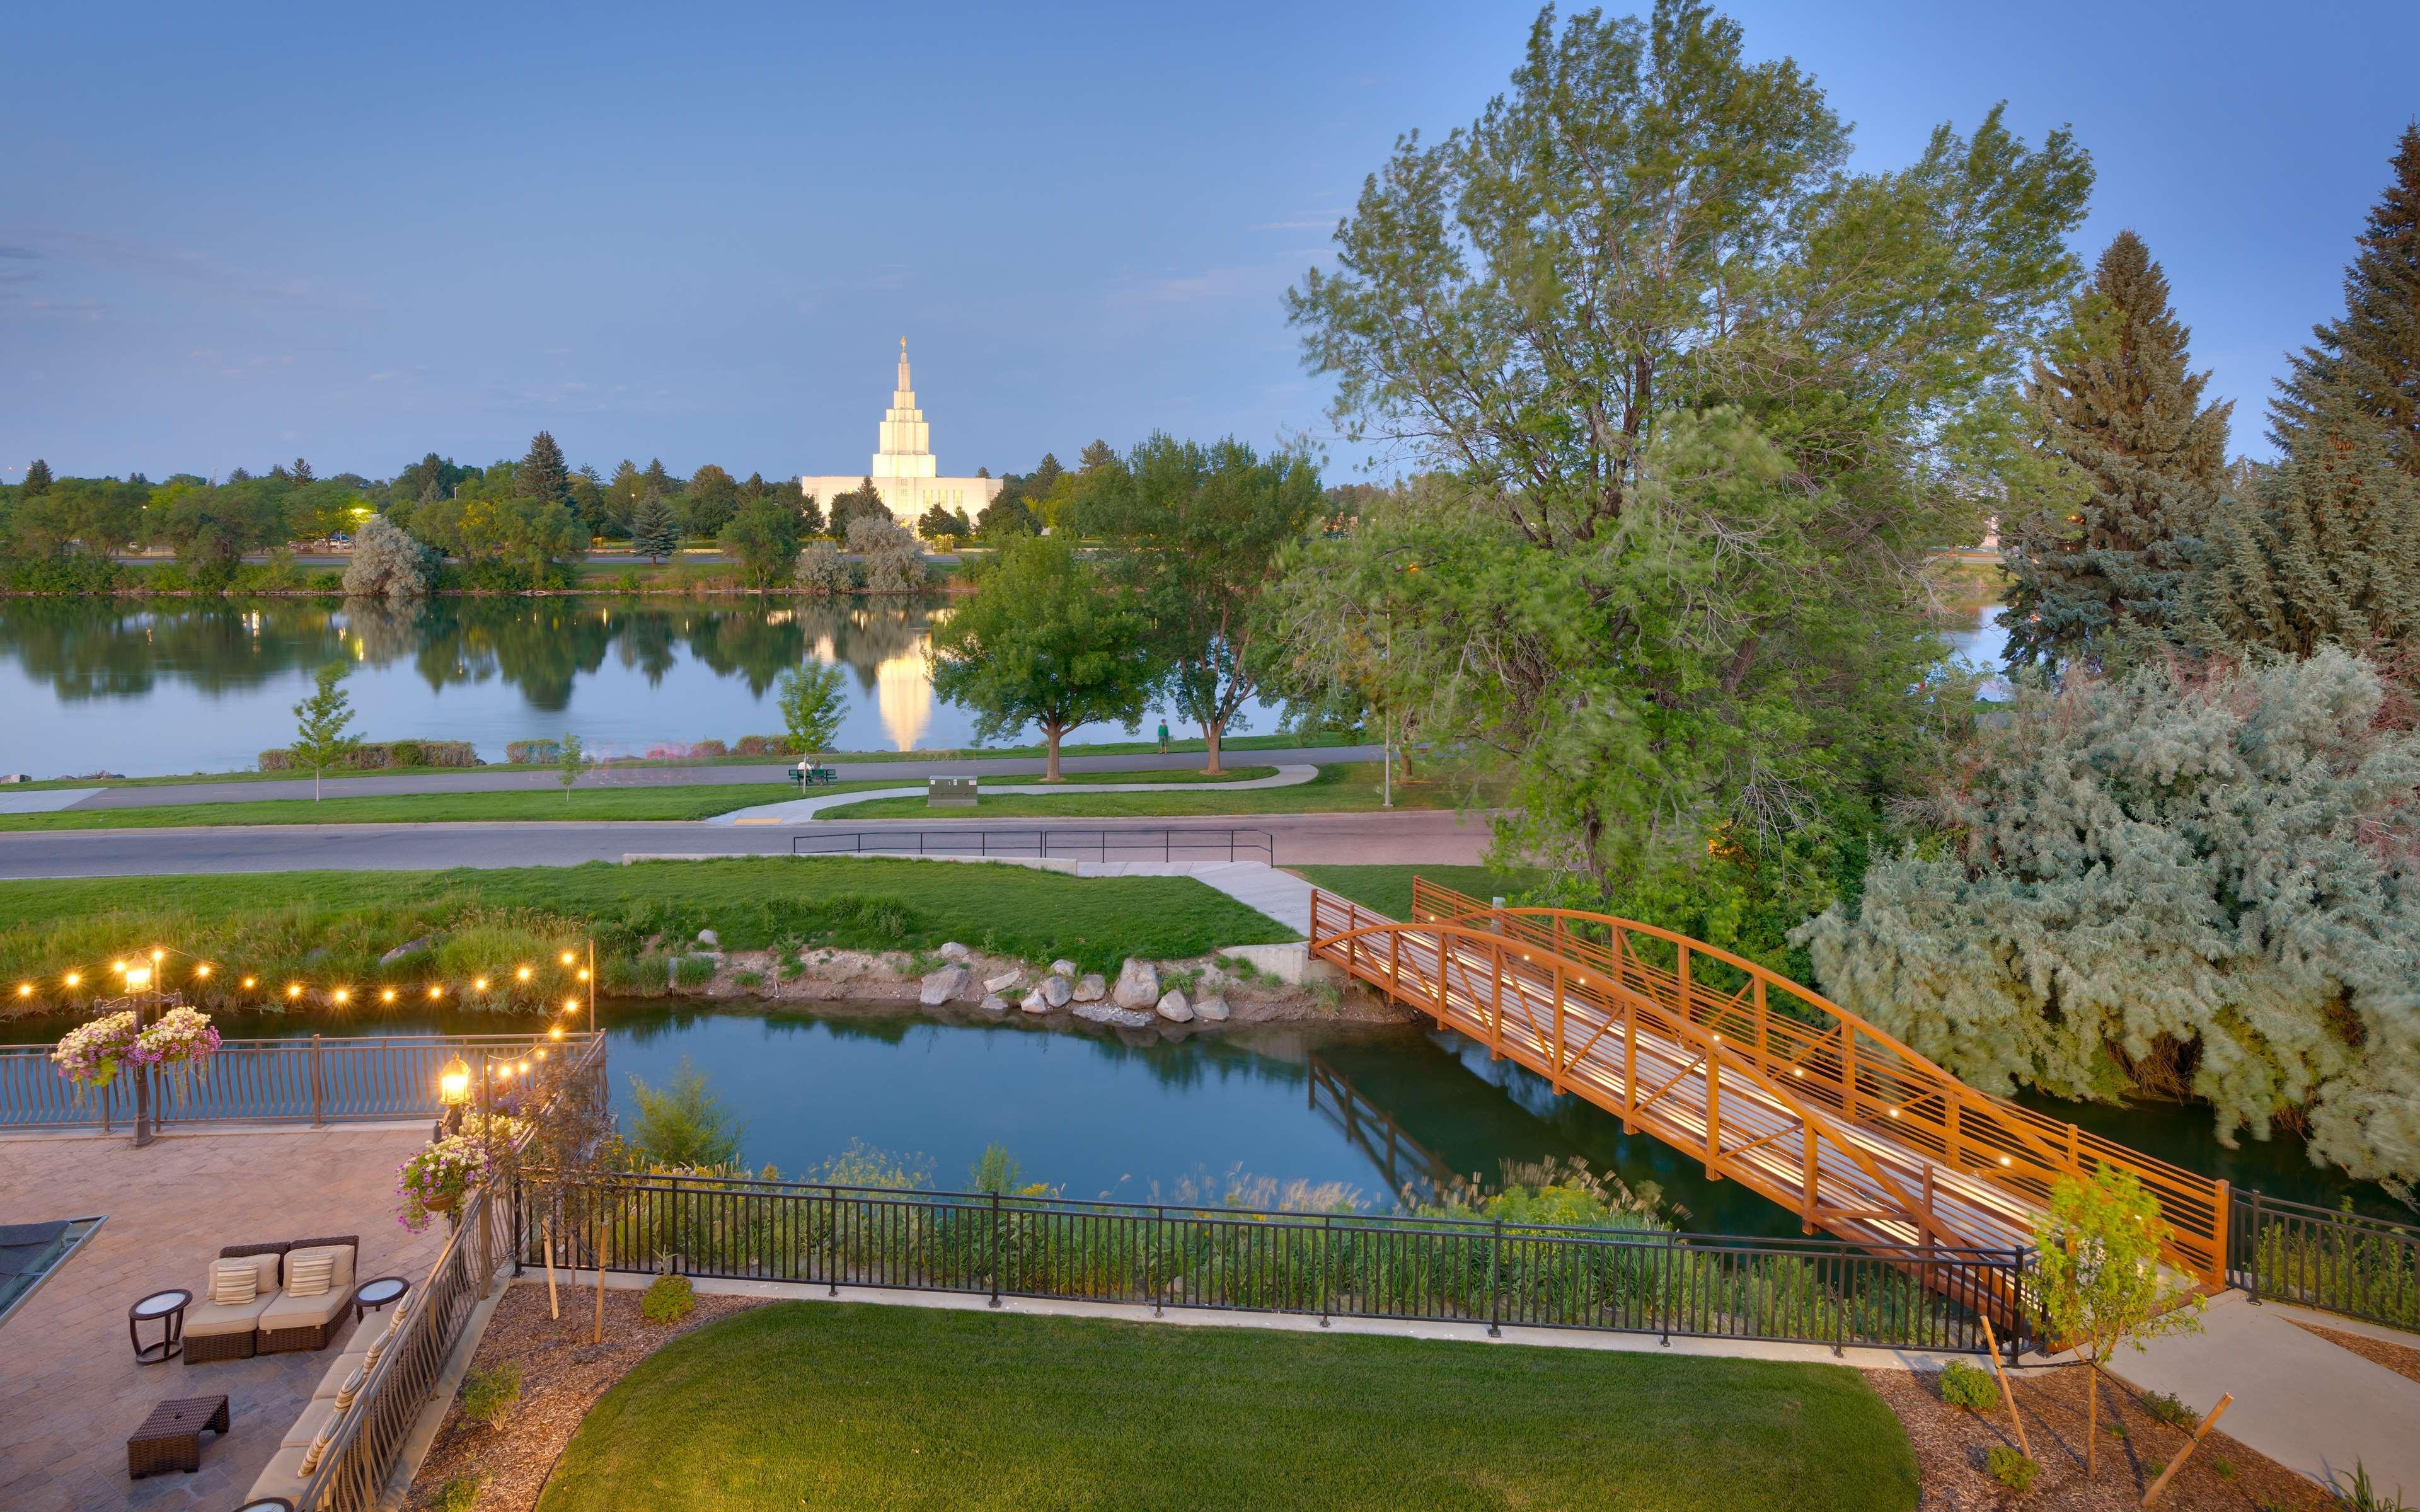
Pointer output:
332, 1378
233, 1283
340, 1269
286, 1310
314, 1421
203, 1319
282, 1477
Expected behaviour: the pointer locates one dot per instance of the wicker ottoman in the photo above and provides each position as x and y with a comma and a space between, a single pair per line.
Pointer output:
171, 1437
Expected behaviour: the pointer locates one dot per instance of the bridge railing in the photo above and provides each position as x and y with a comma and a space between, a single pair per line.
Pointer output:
306, 1079
2339, 1262
1411, 1266
1840, 1061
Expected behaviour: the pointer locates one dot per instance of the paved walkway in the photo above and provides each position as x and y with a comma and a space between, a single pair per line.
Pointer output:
800, 810
69, 1389
535, 778
2309, 1404
45, 800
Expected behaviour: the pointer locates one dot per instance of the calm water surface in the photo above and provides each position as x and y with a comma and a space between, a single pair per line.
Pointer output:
148, 691
1100, 1115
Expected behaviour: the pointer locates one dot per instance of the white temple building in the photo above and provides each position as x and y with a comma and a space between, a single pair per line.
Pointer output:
904, 472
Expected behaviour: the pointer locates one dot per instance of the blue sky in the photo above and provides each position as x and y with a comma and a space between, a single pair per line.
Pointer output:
232, 235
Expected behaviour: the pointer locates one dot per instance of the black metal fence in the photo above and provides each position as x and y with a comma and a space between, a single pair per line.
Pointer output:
1344, 1265
2340, 1262
1187, 845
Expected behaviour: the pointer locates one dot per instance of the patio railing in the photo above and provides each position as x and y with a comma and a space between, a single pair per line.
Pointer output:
1343, 1265
2339, 1262
311, 1080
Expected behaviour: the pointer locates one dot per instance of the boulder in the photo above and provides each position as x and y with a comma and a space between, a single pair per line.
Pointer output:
406, 948
1055, 990
1138, 986
1065, 968
1006, 982
994, 1003
1211, 1010
1124, 1018
1173, 1008
957, 954
942, 985
709, 939
1033, 1002
1092, 989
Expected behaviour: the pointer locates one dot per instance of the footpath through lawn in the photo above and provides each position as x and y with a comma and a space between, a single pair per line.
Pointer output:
1339, 788
823, 1405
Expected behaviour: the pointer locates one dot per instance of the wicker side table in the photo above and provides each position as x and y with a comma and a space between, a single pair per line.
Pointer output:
171, 1437
167, 1308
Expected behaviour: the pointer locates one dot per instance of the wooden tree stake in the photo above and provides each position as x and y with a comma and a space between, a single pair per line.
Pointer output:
546, 1239
2186, 1453
2006, 1394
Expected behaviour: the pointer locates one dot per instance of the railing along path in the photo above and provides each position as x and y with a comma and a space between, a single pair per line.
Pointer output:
1770, 1084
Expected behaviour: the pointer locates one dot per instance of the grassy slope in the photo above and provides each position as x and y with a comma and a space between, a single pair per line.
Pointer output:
586, 803
1340, 788
1388, 888
271, 923
818, 1405
1114, 747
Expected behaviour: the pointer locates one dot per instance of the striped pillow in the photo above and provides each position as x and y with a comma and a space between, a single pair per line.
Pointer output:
309, 1274
350, 1389
318, 1449
234, 1283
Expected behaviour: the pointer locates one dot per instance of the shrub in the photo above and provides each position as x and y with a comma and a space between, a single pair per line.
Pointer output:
533, 752
1968, 1386
683, 1123
705, 748
894, 564
460, 1494
488, 1395
758, 745
387, 563
693, 970
669, 1300
2011, 1469
2176, 1414
823, 570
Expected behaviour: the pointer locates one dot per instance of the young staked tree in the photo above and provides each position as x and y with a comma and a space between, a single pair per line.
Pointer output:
320, 740
571, 759
1043, 641
2120, 410
1197, 533
813, 701
655, 530
2099, 1286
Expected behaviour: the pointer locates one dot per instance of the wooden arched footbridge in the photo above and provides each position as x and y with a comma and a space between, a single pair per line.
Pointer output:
1772, 1085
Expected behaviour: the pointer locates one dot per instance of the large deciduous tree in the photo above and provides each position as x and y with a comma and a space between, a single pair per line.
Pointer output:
1713, 399
713, 500
2189, 878
1041, 640
1197, 533
2120, 411
763, 537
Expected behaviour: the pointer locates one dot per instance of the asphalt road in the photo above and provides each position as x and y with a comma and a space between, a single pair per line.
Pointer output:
546, 778
1438, 837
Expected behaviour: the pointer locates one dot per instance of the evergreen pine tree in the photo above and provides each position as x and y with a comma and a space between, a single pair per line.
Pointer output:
655, 528
302, 473
543, 473
2323, 548
2369, 359
2119, 408
657, 478
1096, 457
810, 514
38, 479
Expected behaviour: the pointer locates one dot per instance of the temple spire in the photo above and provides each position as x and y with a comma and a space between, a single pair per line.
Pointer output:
905, 386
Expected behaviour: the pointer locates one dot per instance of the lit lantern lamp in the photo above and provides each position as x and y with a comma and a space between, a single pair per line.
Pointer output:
454, 1091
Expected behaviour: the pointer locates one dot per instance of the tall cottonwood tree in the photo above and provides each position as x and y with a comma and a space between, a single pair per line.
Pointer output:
1198, 532
1714, 398
2120, 410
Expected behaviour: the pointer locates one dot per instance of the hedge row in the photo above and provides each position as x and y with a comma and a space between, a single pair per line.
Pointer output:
372, 754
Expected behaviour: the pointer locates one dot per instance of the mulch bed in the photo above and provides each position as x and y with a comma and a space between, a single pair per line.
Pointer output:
562, 1376
2402, 1359
1950, 1443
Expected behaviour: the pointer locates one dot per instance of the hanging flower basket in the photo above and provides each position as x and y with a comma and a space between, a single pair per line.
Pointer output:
89, 1054
437, 1178
181, 1044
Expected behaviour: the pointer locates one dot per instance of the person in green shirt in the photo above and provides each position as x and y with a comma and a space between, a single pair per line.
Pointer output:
1163, 737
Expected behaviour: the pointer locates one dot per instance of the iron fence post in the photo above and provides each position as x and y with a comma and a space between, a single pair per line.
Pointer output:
997, 1249
517, 1237
1495, 1286
2252, 1249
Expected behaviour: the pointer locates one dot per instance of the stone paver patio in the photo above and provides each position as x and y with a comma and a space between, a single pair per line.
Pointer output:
69, 1389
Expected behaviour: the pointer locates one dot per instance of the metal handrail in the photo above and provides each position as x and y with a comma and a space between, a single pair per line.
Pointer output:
2324, 1258
1024, 845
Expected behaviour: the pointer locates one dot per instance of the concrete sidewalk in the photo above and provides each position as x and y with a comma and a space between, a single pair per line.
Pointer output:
2302, 1401
801, 811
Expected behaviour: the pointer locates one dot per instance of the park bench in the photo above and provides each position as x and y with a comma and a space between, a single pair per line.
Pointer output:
806, 776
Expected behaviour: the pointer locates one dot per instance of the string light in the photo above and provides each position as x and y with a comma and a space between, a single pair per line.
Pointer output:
293, 989
249, 980
435, 991
341, 994
479, 984
24, 989
571, 1005
74, 980
566, 958
387, 996
202, 970
520, 974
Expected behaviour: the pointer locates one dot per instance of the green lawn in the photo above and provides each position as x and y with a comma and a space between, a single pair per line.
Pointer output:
1340, 788
1388, 888
332, 926
586, 803
840, 1405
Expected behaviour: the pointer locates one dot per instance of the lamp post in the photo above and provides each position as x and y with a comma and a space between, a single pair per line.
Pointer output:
453, 1089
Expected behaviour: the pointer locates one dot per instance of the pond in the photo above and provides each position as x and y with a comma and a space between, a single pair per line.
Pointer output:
1364, 1108
150, 689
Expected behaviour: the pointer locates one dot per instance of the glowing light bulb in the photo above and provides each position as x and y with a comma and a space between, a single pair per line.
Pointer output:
583, 973
342, 995
75, 979
556, 1031
202, 970
571, 1004
521, 975
566, 958
293, 989
387, 996
117, 966
435, 991
24, 989
250, 980
479, 984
